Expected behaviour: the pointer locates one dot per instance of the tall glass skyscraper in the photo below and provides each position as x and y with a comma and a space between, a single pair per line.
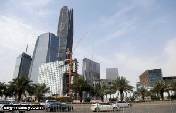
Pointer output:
90, 71
65, 31
46, 50
22, 66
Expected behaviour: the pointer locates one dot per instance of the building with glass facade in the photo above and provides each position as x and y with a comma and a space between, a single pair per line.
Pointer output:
65, 31
111, 73
169, 78
52, 74
90, 71
150, 77
22, 66
46, 50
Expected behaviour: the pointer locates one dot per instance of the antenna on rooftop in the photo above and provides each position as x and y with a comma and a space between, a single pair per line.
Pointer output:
26, 48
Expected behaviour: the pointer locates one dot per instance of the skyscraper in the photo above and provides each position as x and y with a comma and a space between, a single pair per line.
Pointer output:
111, 73
90, 71
150, 77
65, 31
22, 66
46, 50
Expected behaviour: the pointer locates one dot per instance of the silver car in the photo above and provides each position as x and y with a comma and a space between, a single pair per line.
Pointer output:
104, 107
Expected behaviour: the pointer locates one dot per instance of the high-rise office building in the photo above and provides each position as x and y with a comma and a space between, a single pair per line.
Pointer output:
46, 50
150, 77
65, 31
90, 71
52, 74
22, 66
111, 73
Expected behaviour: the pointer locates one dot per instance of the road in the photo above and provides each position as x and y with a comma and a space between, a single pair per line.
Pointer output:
152, 107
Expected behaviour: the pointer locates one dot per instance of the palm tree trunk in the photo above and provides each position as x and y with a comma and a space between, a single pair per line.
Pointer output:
143, 97
168, 94
161, 94
121, 95
19, 96
80, 95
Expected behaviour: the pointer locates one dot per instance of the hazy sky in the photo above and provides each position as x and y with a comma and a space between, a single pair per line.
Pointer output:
132, 35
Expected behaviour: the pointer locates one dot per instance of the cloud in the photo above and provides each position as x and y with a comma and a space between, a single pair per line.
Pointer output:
15, 35
170, 58
38, 7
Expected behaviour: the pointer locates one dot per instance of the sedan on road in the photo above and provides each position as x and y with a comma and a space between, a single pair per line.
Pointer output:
57, 106
104, 107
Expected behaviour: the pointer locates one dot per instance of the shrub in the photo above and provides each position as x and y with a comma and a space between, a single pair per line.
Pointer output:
64, 99
155, 98
88, 99
112, 99
173, 97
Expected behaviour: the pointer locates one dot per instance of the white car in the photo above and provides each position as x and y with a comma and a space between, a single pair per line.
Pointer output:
104, 107
123, 104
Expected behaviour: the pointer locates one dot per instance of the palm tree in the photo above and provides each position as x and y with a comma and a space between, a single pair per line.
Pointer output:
39, 90
97, 90
2, 88
173, 86
20, 85
168, 88
142, 92
104, 90
8, 91
121, 84
160, 87
79, 85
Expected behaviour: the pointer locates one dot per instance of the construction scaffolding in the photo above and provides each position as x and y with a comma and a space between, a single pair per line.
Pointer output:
72, 70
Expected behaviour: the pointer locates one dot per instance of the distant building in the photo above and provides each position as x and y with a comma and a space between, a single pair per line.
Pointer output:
46, 50
22, 66
150, 77
111, 73
106, 82
169, 78
138, 86
90, 71
65, 31
52, 74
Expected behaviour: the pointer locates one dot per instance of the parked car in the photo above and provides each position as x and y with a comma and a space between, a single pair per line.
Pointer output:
57, 106
5, 102
48, 102
104, 107
123, 104
2, 103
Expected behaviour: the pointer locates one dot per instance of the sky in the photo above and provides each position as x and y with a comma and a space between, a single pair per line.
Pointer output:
131, 35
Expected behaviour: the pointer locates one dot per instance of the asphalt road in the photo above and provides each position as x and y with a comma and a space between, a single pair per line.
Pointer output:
152, 107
